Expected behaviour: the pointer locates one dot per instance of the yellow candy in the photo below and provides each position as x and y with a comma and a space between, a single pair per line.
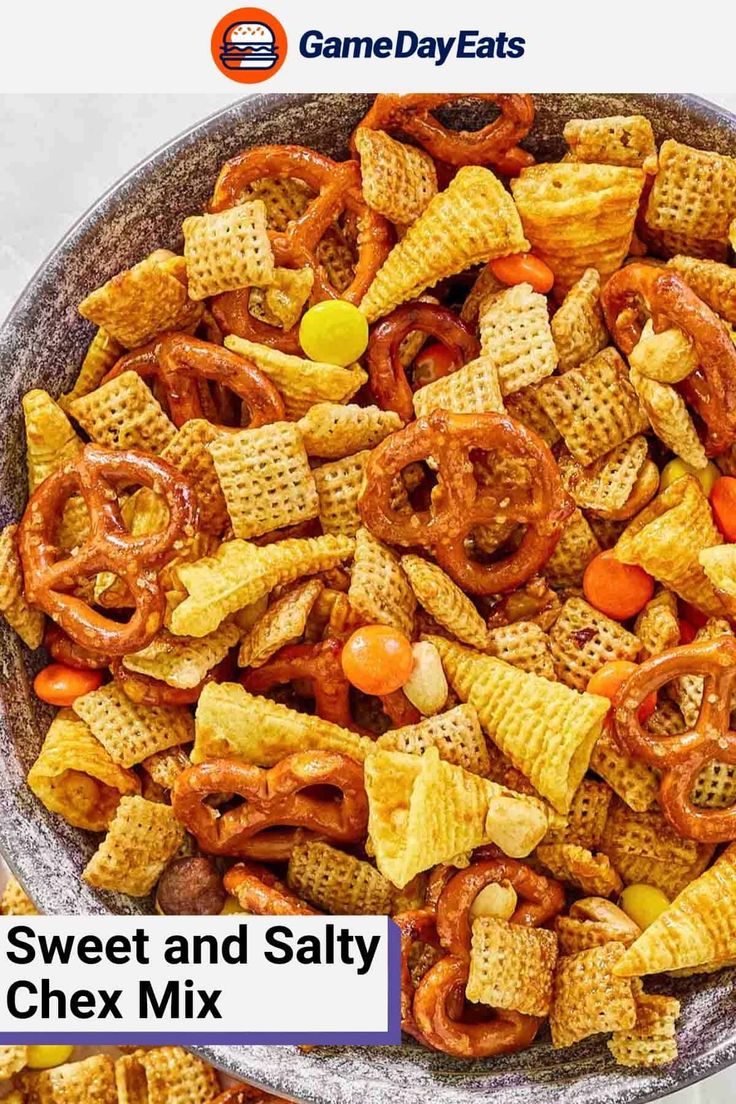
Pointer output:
46, 1057
677, 468
334, 332
643, 903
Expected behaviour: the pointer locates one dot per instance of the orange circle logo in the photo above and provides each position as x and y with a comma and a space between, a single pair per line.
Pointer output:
249, 45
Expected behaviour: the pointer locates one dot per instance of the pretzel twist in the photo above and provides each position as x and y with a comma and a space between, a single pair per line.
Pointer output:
97, 474
65, 650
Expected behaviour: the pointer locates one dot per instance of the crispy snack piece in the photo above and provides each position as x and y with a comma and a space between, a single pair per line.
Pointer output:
657, 626
582, 640
12, 1060
594, 407
27, 622
699, 927
189, 454
692, 202
164, 767
445, 601
719, 565
337, 882
670, 418
91, 1081
15, 901
637, 784
339, 484
486, 284
265, 478
651, 1041
588, 997
425, 811
644, 848
687, 690
165, 1075
474, 387
182, 661
578, 329
546, 729
579, 867
606, 485
594, 921
472, 220
616, 140
239, 574
123, 414
666, 539
456, 734
575, 549
142, 839
528, 408
511, 966
75, 777
282, 623
523, 644
515, 335
228, 250
129, 732
301, 382
282, 302
331, 430
379, 589
711, 281
233, 724
140, 302
102, 353
578, 216
586, 819
398, 180
50, 437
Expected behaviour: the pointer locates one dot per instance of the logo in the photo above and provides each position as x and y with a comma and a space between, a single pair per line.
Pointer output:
249, 45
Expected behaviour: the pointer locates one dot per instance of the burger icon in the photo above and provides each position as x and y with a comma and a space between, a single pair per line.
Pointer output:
248, 46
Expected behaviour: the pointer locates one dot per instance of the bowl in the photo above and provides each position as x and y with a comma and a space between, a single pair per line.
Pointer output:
41, 345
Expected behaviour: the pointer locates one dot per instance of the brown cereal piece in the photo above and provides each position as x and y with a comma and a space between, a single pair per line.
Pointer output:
27, 622
527, 407
398, 180
578, 329
635, 783
658, 626
594, 407
456, 734
687, 690
285, 198
523, 644
183, 661
188, 453
473, 220
337, 257
666, 719
605, 485
486, 283
615, 140
164, 767
337, 882
582, 640
165, 1075
12, 1060
331, 430
474, 388
123, 414
445, 601
228, 250
588, 998
15, 901
50, 437
651, 1041
265, 478
575, 549
131, 732
644, 848
578, 216
282, 302
142, 839
282, 623
692, 201
379, 588
715, 786
515, 335
511, 966
711, 281
339, 483
91, 1081
571, 863
102, 353
669, 417
586, 819
302, 382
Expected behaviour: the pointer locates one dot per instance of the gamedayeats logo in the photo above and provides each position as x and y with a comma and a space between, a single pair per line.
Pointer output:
249, 45
464, 45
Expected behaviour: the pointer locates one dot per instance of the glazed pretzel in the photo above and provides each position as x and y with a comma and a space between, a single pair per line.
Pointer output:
273, 800
711, 388
459, 505
182, 363
146, 690
494, 144
388, 382
65, 650
417, 926
97, 474
682, 757
260, 892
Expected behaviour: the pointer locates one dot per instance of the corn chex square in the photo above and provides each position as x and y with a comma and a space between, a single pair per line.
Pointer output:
337, 882
379, 589
131, 732
123, 414
398, 180
511, 966
515, 335
142, 839
588, 998
228, 250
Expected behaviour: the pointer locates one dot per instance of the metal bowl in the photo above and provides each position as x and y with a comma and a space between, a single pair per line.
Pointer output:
41, 345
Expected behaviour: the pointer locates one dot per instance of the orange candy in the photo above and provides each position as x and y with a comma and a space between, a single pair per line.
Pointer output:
60, 685
610, 678
524, 268
377, 659
432, 363
723, 504
619, 590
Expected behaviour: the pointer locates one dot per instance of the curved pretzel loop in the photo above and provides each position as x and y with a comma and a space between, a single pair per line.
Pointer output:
459, 505
65, 650
682, 757
97, 474
260, 892
275, 813
146, 690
